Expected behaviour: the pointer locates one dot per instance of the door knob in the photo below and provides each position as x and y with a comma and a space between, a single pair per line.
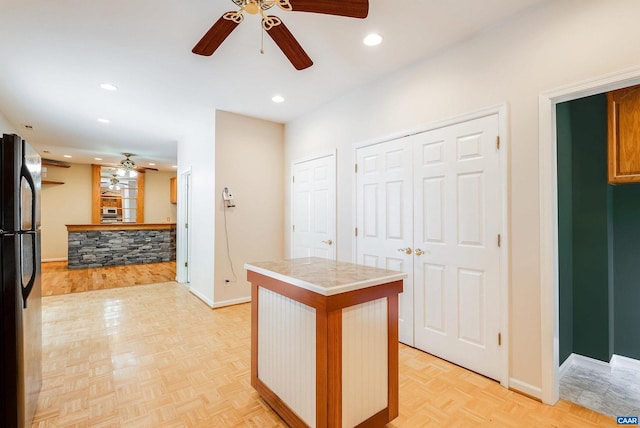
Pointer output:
328, 242
419, 252
405, 250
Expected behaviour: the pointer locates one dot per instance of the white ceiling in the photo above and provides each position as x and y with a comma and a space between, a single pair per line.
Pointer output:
54, 55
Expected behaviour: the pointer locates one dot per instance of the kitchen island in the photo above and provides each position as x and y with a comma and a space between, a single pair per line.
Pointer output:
324, 341
112, 244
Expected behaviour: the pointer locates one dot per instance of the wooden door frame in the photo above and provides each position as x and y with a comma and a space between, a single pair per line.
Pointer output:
502, 111
549, 281
335, 194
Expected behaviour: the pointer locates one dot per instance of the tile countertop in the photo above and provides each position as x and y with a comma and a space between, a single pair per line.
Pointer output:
324, 276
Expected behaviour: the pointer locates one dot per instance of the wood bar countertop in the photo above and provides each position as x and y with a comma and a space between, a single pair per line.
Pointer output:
119, 226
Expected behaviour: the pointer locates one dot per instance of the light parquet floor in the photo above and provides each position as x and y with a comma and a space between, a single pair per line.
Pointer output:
57, 278
156, 356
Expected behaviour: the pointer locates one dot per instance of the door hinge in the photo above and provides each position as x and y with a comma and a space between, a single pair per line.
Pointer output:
294, 227
356, 231
499, 240
186, 264
186, 225
498, 142
499, 339
356, 168
293, 179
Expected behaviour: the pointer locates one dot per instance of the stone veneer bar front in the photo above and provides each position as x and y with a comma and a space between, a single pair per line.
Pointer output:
97, 245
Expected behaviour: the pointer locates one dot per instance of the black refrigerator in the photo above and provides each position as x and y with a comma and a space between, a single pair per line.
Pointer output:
21, 335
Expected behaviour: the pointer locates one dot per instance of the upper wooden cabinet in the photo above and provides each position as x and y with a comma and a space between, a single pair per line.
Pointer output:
624, 135
173, 192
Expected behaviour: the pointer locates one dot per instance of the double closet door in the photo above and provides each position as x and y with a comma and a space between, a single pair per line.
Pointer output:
430, 205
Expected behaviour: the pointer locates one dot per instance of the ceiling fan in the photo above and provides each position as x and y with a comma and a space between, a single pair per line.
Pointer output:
274, 25
127, 167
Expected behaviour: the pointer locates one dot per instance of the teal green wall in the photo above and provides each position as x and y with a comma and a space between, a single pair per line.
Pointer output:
626, 208
584, 224
590, 228
598, 240
565, 229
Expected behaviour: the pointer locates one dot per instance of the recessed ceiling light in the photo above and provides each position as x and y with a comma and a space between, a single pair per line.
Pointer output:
97, 158
277, 99
67, 156
152, 164
372, 39
108, 87
101, 120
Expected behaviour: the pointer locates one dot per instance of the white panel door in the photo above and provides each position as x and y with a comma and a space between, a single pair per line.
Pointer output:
457, 210
314, 208
385, 219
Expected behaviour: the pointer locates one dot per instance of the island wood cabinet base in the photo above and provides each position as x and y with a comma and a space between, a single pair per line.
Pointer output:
358, 315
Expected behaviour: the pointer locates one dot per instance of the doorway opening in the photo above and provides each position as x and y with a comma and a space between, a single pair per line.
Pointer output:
549, 223
598, 231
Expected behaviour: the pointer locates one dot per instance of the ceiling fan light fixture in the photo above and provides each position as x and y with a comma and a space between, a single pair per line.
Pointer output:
113, 183
252, 8
372, 39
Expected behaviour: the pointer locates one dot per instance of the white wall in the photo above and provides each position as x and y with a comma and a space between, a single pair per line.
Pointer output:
5, 126
559, 43
250, 162
196, 154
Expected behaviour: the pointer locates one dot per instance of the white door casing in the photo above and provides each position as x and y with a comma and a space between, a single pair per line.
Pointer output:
455, 295
384, 218
313, 196
183, 271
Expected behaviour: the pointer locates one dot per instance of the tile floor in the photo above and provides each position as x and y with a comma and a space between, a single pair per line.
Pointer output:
614, 392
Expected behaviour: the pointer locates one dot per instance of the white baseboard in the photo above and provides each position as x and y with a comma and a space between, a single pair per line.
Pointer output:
231, 302
202, 297
618, 361
590, 363
565, 366
524, 387
55, 259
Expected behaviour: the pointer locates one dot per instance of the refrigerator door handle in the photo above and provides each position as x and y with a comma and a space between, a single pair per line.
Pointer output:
26, 289
26, 174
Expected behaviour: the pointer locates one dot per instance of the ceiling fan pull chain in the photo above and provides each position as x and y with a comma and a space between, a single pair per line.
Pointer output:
262, 40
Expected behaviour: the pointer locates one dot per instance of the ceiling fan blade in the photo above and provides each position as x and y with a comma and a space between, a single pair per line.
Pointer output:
350, 8
290, 46
214, 37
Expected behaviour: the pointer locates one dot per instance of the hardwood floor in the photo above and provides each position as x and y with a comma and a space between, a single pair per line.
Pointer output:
58, 279
156, 356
